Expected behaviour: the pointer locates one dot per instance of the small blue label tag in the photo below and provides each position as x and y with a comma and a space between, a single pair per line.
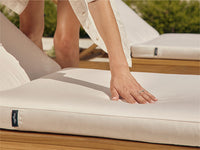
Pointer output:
15, 118
156, 51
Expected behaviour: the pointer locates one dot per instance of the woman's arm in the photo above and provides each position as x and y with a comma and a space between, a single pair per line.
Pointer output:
122, 82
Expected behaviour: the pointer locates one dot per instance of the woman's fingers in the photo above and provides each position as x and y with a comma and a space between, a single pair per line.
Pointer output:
146, 97
151, 96
114, 94
125, 95
139, 96
128, 97
140, 99
134, 96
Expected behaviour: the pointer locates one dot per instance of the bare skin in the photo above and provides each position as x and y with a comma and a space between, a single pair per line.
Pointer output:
32, 21
66, 39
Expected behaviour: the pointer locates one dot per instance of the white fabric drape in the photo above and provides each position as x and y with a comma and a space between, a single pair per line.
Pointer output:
16, 5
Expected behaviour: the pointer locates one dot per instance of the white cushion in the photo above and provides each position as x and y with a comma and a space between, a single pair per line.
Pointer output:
138, 31
30, 57
171, 46
77, 101
12, 74
144, 39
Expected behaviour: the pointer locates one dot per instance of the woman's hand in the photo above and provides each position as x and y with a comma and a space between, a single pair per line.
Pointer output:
124, 84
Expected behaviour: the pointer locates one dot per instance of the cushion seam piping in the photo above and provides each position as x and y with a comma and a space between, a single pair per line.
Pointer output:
99, 114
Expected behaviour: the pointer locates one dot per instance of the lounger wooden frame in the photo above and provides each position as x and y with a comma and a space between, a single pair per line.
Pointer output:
14, 140
153, 65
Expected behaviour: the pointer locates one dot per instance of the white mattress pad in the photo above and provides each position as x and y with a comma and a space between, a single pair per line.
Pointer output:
77, 101
170, 46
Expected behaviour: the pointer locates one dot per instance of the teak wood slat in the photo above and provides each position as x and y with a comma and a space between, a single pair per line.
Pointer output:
152, 65
33, 141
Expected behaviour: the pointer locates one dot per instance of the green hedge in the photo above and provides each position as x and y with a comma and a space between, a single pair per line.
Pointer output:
169, 16
50, 18
166, 16
13, 17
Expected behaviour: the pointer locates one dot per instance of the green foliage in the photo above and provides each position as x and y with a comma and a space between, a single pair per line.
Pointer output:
50, 18
51, 53
13, 17
165, 16
83, 34
169, 16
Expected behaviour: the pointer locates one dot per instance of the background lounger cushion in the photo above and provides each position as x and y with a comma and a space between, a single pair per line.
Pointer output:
137, 30
144, 39
171, 46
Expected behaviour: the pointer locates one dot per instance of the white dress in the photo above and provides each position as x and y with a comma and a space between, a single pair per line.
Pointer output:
16, 5
82, 12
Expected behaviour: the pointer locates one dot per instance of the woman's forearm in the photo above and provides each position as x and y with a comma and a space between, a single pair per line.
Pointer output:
105, 21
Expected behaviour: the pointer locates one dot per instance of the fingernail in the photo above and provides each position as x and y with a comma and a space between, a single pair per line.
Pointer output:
114, 98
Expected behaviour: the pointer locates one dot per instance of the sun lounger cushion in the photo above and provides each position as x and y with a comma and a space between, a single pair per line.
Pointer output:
30, 57
77, 101
171, 46
146, 42
138, 31
12, 74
